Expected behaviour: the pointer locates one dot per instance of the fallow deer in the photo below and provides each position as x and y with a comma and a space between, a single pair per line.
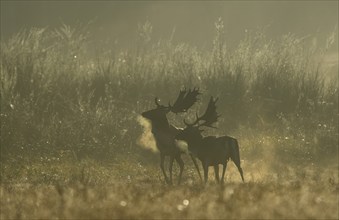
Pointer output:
210, 150
165, 133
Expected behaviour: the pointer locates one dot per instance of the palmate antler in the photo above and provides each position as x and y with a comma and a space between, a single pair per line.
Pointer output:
185, 100
209, 117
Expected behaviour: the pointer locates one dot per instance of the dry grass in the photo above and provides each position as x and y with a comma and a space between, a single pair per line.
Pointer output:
70, 138
137, 191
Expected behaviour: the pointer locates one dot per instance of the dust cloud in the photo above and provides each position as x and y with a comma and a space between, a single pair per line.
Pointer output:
182, 145
146, 139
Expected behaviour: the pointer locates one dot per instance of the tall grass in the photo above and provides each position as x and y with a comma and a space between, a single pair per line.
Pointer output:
70, 134
57, 97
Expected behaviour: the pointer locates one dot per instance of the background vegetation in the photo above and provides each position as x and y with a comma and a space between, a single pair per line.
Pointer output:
69, 125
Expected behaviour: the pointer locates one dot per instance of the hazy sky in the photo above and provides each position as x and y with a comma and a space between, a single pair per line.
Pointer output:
192, 20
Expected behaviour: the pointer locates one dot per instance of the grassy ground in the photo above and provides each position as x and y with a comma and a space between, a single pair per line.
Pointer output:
90, 190
71, 139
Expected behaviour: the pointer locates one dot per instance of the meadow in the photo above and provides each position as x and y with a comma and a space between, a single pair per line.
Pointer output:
71, 140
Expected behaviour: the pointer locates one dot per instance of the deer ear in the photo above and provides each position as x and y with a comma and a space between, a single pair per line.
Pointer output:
156, 101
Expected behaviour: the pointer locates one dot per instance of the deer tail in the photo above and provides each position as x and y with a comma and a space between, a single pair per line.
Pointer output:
235, 156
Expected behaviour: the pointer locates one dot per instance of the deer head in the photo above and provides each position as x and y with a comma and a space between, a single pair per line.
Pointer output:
184, 101
159, 112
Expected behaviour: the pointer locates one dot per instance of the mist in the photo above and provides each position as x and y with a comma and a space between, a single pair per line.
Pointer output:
189, 22
76, 76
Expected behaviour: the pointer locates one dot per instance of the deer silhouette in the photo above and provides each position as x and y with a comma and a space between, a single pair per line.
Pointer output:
210, 150
164, 133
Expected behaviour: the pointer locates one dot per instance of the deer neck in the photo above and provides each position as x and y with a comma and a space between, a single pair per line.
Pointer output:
194, 142
160, 125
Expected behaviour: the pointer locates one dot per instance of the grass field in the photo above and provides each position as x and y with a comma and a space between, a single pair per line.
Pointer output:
71, 136
116, 191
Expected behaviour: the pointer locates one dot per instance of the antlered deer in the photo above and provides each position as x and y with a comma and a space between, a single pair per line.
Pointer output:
210, 150
165, 133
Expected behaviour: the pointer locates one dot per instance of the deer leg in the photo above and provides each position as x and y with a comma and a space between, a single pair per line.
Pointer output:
216, 172
162, 161
205, 166
171, 168
241, 173
223, 171
196, 167
181, 165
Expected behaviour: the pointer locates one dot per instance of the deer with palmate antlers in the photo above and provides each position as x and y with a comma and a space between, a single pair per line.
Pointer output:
165, 133
210, 150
